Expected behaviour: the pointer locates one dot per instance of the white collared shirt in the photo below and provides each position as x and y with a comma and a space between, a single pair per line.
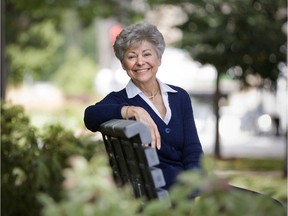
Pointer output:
132, 90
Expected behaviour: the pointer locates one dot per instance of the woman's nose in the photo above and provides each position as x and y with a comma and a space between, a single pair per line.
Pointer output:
140, 60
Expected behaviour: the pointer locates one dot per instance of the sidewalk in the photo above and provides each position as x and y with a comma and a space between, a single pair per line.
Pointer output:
246, 145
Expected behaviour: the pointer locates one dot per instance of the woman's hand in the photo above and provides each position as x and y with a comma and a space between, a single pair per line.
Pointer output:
143, 116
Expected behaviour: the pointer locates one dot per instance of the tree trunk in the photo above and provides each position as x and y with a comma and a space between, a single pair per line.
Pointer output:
286, 158
217, 96
2, 61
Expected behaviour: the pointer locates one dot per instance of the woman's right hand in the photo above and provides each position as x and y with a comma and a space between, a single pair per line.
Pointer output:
141, 115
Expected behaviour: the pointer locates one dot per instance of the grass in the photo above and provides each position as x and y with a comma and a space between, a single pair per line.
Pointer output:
255, 164
269, 183
261, 175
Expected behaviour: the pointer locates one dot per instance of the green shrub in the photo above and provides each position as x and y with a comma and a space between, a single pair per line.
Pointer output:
91, 191
217, 198
32, 160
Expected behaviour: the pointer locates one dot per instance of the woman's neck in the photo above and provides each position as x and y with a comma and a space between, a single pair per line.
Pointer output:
150, 89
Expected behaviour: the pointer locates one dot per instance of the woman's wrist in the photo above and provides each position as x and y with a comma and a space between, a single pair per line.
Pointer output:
125, 112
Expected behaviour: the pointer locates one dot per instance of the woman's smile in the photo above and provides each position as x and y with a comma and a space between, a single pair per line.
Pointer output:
142, 70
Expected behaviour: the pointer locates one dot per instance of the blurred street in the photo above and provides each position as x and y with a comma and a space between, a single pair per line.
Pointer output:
245, 145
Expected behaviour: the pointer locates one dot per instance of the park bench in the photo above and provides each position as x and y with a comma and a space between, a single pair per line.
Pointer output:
131, 161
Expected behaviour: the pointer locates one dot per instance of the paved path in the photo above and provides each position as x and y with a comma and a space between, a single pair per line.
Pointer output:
247, 145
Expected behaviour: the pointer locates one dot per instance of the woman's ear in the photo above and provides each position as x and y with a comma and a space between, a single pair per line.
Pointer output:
160, 61
123, 66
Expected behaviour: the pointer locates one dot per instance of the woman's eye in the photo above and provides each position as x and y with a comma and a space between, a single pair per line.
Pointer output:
131, 57
147, 54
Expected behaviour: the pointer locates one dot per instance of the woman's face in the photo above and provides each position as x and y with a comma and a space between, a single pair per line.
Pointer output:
141, 62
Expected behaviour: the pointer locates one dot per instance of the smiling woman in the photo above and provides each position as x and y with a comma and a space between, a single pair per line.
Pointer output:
165, 109
141, 63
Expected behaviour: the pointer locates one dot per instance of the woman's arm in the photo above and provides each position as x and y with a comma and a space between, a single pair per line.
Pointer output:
97, 114
105, 110
115, 106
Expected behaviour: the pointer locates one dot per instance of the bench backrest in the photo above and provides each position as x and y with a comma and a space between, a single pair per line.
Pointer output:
131, 162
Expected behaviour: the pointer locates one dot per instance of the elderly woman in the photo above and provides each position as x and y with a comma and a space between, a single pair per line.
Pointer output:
166, 109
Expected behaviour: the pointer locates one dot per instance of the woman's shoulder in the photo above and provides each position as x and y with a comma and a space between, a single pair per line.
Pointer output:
116, 95
120, 92
178, 89
181, 94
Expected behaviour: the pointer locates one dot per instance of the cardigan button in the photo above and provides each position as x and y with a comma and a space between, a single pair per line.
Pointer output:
167, 130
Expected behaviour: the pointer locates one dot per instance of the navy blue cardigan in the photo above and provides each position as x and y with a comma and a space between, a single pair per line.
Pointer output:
180, 145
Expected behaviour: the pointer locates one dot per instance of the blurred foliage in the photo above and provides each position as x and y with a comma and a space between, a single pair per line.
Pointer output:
91, 192
20, 15
39, 36
76, 74
32, 160
217, 198
33, 54
237, 37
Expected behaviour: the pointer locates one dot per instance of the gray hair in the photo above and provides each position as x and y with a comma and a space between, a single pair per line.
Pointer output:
134, 35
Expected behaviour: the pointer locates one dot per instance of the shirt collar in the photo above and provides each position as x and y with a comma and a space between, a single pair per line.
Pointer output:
132, 90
